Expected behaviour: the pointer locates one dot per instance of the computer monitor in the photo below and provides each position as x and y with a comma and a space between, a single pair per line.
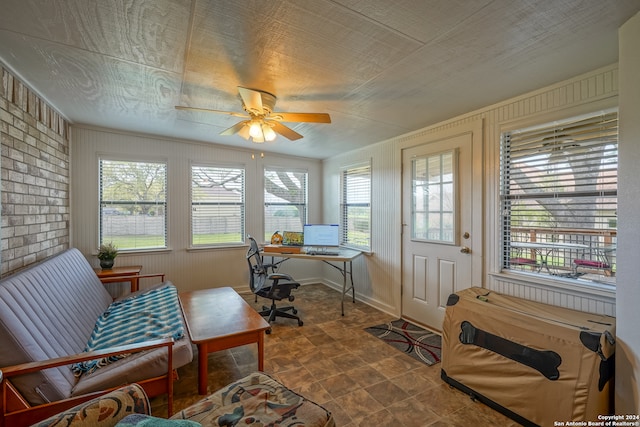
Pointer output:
321, 235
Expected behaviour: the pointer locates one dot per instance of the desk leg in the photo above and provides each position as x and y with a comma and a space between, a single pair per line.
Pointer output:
202, 368
344, 288
353, 288
344, 284
134, 285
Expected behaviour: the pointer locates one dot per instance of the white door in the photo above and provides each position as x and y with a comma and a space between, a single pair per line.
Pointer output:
438, 223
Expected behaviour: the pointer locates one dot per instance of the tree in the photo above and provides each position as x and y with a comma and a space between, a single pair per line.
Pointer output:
565, 187
288, 186
142, 184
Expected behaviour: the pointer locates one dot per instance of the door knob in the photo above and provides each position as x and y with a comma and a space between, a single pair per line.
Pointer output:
465, 250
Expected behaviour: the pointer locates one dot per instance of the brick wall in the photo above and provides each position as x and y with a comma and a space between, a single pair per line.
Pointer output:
35, 177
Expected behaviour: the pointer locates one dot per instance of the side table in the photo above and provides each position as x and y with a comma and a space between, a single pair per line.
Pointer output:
129, 274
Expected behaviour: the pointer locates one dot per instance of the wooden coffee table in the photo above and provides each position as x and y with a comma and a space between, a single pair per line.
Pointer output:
219, 319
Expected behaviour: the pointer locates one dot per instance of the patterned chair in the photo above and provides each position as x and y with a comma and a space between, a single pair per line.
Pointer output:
257, 399
104, 411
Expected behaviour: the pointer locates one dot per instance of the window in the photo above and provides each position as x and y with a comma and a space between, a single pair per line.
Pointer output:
285, 200
133, 204
356, 206
559, 199
217, 205
434, 198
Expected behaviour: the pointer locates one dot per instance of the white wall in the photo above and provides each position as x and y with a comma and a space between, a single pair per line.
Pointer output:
628, 292
378, 277
187, 269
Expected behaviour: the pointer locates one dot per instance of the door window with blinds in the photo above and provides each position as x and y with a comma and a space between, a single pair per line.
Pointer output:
217, 205
356, 207
558, 195
285, 200
133, 204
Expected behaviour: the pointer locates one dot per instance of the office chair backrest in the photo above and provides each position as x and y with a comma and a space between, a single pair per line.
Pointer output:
257, 272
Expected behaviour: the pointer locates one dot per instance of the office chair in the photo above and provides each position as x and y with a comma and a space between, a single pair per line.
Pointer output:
274, 286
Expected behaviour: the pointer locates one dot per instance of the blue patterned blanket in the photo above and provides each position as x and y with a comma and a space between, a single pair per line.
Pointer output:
150, 315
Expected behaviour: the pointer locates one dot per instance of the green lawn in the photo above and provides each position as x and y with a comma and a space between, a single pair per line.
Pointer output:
147, 241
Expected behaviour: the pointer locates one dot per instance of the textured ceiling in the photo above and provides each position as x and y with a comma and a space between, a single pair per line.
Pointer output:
380, 68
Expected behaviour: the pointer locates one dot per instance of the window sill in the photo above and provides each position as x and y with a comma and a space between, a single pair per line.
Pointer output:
217, 247
365, 251
137, 252
559, 284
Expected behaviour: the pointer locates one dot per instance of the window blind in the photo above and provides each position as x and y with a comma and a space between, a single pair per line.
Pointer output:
217, 205
356, 206
133, 204
559, 185
285, 200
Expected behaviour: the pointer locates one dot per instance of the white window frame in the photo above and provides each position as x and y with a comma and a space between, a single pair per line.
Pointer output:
346, 204
214, 204
118, 207
533, 156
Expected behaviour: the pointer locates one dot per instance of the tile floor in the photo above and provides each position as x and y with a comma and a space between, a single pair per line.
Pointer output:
334, 362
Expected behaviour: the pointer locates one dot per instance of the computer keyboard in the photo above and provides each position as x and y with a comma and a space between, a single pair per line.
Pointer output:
326, 253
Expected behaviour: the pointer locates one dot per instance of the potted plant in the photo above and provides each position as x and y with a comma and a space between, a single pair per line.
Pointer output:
107, 253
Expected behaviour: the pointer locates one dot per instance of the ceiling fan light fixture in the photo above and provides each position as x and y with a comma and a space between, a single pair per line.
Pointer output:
255, 129
260, 124
260, 131
269, 134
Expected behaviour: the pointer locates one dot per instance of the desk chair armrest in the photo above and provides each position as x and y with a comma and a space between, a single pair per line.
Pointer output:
279, 276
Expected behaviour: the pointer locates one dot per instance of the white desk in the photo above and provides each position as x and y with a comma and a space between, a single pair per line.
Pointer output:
345, 256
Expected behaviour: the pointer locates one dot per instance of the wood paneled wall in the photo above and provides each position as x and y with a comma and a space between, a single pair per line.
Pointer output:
379, 275
187, 268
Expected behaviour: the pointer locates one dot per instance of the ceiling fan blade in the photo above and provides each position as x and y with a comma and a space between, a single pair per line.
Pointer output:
302, 117
237, 128
207, 110
285, 131
252, 99
244, 132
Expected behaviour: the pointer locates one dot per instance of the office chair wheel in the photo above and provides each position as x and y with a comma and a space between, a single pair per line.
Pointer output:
291, 298
300, 323
268, 331
294, 311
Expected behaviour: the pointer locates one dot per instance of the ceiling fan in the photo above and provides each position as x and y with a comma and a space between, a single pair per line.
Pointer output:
262, 123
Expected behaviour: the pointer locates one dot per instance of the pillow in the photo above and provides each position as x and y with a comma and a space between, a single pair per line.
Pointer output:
149, 421
104, 410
